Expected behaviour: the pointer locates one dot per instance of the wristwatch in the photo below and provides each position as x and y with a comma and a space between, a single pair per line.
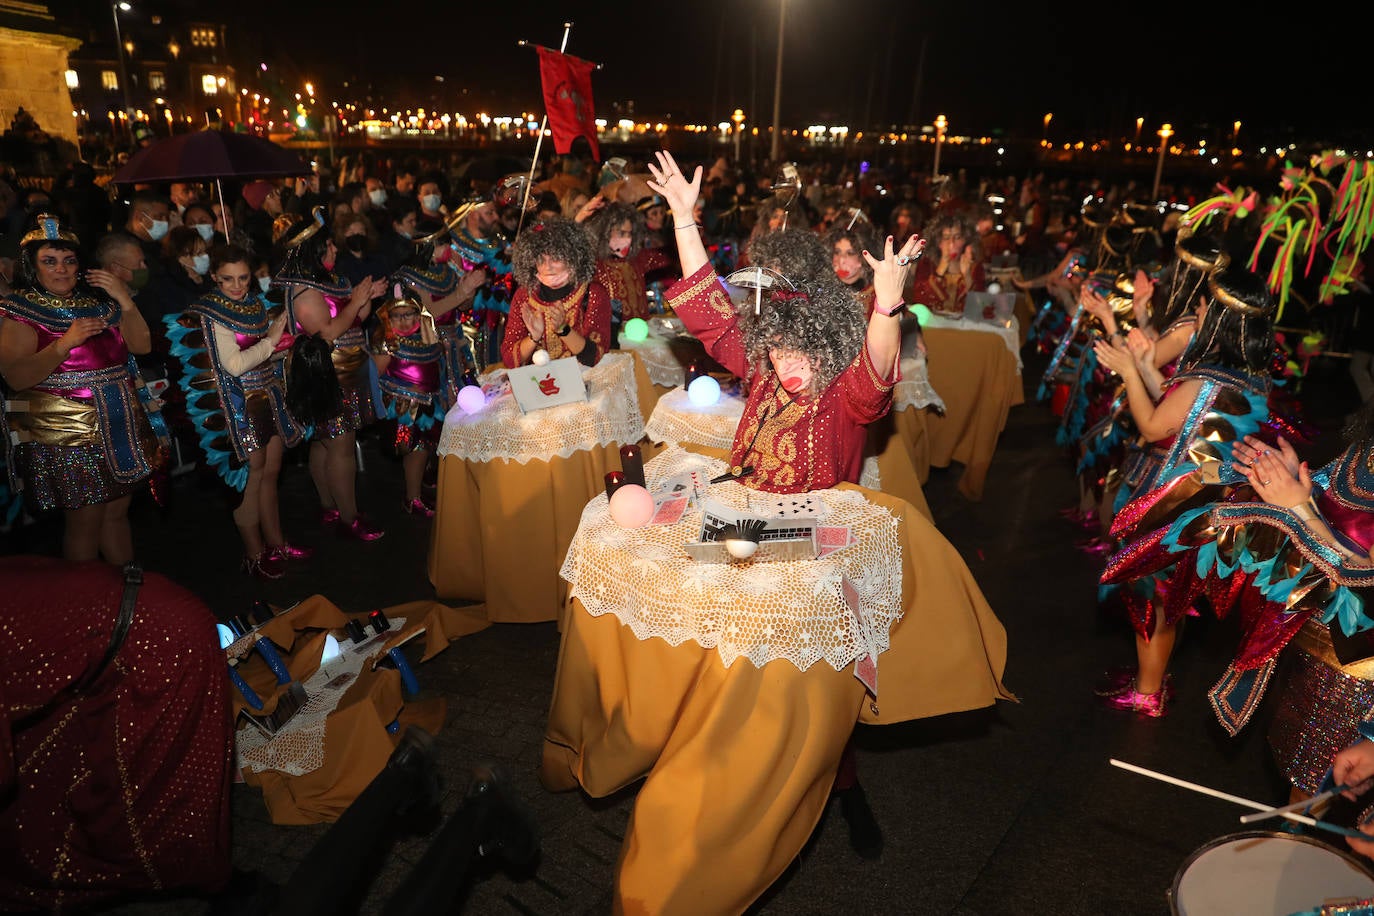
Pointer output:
564, 331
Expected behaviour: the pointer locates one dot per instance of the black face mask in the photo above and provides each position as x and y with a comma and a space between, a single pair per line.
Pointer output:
355, 243
553, 295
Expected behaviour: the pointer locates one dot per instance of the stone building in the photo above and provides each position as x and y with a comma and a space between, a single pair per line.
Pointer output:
33, 64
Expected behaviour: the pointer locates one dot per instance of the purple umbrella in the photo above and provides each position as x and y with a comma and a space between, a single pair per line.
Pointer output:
211, 154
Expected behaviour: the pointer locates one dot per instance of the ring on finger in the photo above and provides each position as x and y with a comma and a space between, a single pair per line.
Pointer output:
1264, 482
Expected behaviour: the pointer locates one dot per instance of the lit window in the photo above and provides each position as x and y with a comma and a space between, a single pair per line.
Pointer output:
157, 81
73, 82
208, 84
203, 38
109, 80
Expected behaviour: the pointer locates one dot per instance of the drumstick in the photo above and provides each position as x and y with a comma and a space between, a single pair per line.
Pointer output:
1237, 800
1300, 805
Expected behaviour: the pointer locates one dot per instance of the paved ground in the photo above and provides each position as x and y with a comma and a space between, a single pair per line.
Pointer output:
1013, 810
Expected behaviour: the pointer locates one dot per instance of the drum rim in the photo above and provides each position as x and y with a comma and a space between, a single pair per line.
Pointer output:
1202, 850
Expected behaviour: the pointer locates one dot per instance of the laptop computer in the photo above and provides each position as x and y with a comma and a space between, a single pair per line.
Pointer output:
985, 306
556, 382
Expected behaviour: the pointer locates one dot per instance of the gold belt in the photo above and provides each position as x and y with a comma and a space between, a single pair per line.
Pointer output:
50, 419
1315, 639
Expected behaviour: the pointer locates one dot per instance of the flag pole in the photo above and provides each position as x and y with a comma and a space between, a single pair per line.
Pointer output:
538, 142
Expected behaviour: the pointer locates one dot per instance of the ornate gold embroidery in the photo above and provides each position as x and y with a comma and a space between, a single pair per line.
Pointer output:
708, 278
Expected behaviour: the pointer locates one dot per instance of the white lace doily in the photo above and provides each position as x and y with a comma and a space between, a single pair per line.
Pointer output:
610, 414
1010, 332
914, 389
869, 476
659, 360
676, 420
761, 612
298, 748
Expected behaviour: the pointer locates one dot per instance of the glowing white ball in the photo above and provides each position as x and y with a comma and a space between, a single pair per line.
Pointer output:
540, 357
471, 399
632, 506
703, 391
994, 287
331, 649
741, 549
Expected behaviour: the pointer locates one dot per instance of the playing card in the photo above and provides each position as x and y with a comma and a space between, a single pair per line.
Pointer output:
866, 665
669, 511
832, 538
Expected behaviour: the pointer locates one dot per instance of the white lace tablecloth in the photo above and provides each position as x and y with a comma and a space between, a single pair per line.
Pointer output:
1009, 331
659, 360
610, 414
677, 421
914, 389
761, 612
298, 748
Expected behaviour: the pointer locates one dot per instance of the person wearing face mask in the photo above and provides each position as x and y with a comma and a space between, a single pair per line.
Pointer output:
395, 246
618, 237
322, 304
559, 307
232, 357
188, 268
200, 218
149, 222
479, 244
86, 440
432, 214
354, 240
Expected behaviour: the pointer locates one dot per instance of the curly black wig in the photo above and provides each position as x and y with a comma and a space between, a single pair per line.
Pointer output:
558, 238
820, 320
860, 237
797, 254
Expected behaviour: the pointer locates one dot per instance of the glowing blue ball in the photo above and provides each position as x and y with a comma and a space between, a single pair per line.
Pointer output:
471, 399
703, 391
226, 635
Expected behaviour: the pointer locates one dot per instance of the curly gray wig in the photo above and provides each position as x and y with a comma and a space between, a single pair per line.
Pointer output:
558, 238
604, 223
821, 320
861, 238
797, 254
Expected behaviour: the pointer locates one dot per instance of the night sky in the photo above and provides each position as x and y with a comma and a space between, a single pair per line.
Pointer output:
989, 67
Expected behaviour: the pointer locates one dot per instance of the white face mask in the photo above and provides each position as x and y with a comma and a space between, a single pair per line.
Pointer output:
206, 231
432, 202
157, 228
264, 283
200, 263
377, 196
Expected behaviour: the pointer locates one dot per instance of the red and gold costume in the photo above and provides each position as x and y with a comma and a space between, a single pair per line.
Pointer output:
794, 443
624, 279
587, 310
944, 293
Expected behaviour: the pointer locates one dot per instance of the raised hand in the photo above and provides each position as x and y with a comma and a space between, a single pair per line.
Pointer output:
534, 321
669, 181
1273, 482
118, 290
889, 274
1250, 448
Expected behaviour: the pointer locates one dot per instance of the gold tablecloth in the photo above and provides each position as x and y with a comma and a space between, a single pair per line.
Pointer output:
356, 743
977, 378
738, 762
501, 528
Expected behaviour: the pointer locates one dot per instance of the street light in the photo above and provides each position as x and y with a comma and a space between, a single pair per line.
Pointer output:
1165, 132
115, 9
1139, 125
777, 88
738, 118
941, 123
1045, 131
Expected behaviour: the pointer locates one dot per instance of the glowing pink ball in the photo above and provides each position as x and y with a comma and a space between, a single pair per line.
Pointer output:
471, 399
632, 506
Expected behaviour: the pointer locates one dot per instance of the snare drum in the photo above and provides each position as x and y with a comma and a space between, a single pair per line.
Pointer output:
1259, 873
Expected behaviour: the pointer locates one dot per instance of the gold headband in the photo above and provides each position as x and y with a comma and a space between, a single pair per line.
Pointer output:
317, 223
49, 229
1231, 300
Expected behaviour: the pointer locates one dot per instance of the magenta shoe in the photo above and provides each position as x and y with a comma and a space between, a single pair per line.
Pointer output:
329, 518
263, 566
418, 507
1128, 699
1098, 547
359, 529
289, 551
1114, 679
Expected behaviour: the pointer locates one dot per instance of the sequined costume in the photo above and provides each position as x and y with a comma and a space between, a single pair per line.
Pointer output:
587, 308
234, 413
1173, 476
89, 432
944, 294
352, 365
440, 281
492, 302
794, 443
124, 785
625, 283
414, 387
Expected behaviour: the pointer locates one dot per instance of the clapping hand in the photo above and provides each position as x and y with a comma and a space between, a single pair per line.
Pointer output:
1274, 483
1250, 448
1142, 348
1118, 359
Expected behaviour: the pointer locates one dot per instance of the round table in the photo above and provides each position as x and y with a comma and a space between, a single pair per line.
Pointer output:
732, 689
512, 487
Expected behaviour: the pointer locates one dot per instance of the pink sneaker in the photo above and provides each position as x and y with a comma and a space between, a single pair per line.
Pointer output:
287, 551
1128, 699
359, 529
418, 507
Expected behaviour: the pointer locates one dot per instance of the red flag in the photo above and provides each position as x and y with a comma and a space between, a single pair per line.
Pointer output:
567, 82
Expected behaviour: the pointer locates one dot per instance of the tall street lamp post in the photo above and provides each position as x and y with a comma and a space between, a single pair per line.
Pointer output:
941, 123
1165, 132
115, 10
